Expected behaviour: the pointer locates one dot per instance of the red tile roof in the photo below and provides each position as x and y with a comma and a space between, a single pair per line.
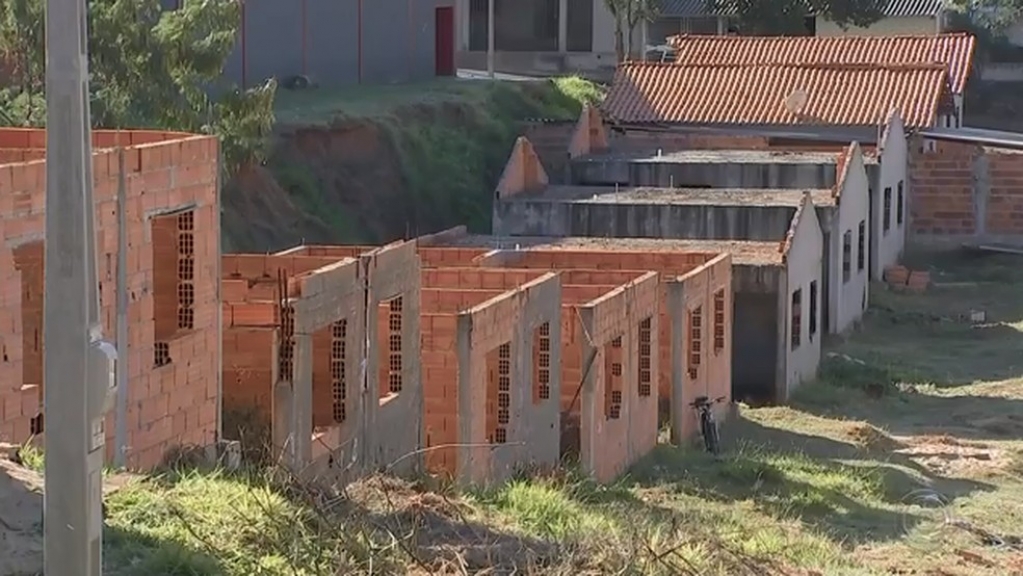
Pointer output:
953, 50
848, 95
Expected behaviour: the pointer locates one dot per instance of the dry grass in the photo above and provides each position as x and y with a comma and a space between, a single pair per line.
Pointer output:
925, 477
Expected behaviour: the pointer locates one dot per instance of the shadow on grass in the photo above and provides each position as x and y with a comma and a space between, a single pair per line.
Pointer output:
437, 533
132, 553
930, 338
849, 495
911, 411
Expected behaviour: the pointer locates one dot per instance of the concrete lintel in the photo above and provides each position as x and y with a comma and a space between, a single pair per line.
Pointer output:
171, 210
329, 294
19, 241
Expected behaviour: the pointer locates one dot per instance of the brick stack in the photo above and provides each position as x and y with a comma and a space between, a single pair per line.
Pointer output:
900, 278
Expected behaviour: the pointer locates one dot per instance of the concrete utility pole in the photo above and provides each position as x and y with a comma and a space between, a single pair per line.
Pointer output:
490, 38
78, 371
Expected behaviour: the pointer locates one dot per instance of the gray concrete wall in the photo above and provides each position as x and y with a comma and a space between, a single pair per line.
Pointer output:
533, 429
609, 172
333, 293
333, 30
394, 429
398, 41
887, 248
804, 267
521, 217
273, 40
847, 298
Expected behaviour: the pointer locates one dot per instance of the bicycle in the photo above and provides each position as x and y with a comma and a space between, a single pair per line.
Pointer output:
708, 424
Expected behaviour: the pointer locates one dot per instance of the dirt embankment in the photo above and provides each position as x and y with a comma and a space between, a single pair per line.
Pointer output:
420, 168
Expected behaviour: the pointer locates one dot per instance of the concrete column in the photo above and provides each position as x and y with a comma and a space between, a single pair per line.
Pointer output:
466, 454
981, 191
302, 399
280, 408
490, 38
644, 38
781, 379
462, 15
563, 26
676, 313
588, 411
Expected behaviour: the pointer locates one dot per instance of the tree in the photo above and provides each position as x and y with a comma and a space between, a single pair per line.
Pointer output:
765, 17
994, 15
628, 14
149, 68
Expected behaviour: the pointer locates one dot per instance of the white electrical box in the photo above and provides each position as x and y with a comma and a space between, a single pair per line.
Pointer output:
103, 385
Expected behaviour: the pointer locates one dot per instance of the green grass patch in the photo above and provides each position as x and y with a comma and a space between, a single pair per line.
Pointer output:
439, 151
843, 482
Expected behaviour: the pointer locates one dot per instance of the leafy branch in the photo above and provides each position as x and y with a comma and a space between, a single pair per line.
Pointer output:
149, 68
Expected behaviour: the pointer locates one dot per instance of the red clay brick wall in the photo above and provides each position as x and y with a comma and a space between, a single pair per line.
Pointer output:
248, 370
619, 441
1005, 200
941, 197
14, 155
710, 289
439, 371
167, 405
668, 263
450, 257
445, 292
493, 325
942, 193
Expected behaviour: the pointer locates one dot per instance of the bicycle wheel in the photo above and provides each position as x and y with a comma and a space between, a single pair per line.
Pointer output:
711, 437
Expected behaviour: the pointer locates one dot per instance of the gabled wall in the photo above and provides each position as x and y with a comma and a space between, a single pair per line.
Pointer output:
886, 248
803, 255
847, 297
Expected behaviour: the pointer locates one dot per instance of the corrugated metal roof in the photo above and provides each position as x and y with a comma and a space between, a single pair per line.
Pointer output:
913, 7
683, 8
894, 8
982, 136
843, 95
953, 50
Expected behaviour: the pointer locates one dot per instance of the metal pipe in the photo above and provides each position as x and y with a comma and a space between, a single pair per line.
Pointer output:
305, 39
120, 427
490, 38
245, 53
358, 8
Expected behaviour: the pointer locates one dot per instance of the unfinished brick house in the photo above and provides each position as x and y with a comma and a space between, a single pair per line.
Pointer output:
526, 205
510, 349
490, 340
172, 352
335, 383
885, 153
692, 296
966, 187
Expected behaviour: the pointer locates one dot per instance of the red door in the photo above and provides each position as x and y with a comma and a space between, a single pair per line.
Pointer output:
445, 41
